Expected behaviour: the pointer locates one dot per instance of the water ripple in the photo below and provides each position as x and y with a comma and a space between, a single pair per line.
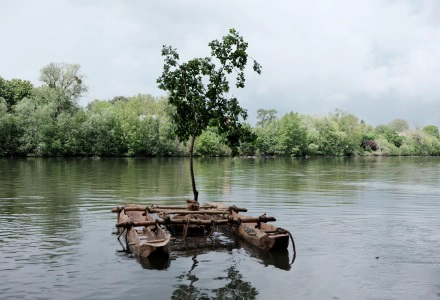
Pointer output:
364, 229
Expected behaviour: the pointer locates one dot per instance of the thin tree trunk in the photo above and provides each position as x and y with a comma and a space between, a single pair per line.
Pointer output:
191, 167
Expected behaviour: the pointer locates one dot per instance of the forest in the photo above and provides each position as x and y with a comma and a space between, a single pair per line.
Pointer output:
48, 121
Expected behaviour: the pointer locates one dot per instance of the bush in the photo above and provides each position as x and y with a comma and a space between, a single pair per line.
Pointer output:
435, 147
394, 138
247, 149
407, 149
432, 131
418, 143
291, 135
9, 131
209, 143
329, 139
387, 148
312, 149
370, 145
266, 142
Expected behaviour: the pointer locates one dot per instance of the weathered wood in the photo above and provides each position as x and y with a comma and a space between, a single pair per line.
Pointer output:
197, 212
147, 241
199, 230
157, 241
155, 206
236, 221
162, 208
191, 230
117, 209
171, 207
264, 236
134, 208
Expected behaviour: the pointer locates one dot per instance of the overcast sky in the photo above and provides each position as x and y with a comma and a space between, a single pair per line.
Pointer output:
377, 59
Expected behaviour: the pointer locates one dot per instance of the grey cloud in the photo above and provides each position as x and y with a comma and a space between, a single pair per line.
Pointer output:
377, 59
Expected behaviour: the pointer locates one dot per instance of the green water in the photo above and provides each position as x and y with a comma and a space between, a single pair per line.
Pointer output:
365, 228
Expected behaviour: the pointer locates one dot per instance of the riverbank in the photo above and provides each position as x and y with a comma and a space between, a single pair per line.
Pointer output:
142, 126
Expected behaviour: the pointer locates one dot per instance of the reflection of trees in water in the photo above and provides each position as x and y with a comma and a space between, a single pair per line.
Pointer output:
189, 291
39, 200
39, 193
235, 289
150, 177
214, 175
340, 175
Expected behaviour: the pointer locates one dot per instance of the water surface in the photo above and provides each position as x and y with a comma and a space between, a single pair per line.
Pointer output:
365, 228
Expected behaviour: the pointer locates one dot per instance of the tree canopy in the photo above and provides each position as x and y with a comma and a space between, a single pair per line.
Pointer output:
65, 77
14, 90
265, 116
198, 88
399, 125
432, 130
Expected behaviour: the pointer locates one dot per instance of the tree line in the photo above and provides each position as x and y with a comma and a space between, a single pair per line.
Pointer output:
48, 121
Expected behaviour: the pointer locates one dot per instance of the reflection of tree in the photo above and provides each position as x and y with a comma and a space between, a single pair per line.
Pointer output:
189, 291
211, 181
235, 289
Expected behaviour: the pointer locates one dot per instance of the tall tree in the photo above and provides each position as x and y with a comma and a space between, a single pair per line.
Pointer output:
198, 90
265, 116
65, 77
399, 125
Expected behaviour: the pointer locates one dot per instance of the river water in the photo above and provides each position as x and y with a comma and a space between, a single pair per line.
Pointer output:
364, 228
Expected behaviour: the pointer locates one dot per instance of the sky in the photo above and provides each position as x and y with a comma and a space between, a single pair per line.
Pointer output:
379, 60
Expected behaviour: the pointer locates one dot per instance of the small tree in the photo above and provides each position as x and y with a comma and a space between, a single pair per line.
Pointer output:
198, 91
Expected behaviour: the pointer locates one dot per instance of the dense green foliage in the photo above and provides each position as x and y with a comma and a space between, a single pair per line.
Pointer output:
432, 130
14, 90
47, 121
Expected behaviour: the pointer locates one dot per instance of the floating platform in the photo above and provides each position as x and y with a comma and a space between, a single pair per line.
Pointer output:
194, 220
